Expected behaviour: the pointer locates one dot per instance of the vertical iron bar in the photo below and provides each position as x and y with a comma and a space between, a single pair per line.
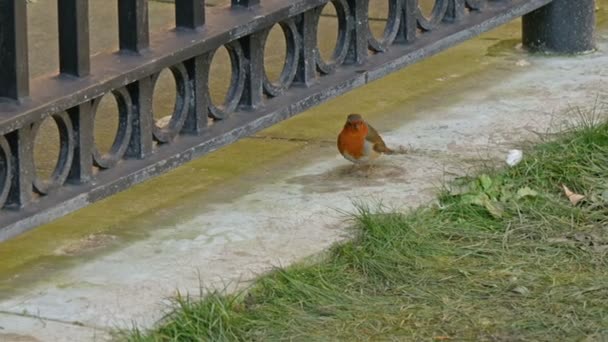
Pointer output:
196, 121
133, 25
357, 51
82, 164
245, 3
409, 25
563, 26
307, 64
24, 172
73, 20
141, 93
253, 50
455, 11
14, 70
189, 13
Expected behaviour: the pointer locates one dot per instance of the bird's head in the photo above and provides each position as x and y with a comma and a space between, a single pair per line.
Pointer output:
354, 122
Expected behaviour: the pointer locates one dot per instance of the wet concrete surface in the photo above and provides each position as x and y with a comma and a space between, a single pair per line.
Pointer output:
283, 195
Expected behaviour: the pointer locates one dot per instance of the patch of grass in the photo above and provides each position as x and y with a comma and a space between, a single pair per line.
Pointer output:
504, 256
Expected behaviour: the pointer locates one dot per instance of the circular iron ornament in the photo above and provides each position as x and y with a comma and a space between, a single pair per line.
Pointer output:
123, 135
290, 67
237, 81
437, 14
390, 30
66, 154
6, 172
345, 27
182, 104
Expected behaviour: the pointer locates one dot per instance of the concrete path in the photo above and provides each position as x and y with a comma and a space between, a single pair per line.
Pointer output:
281, 196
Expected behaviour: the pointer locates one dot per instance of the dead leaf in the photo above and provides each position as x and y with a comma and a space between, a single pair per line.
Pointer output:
604, 195
522, 290
526, 192
572, 196
494, 208
601, 249
585, 238
442, 338
561, 241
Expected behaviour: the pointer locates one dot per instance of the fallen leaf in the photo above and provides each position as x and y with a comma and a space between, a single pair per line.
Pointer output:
601, 249
561, 241
164, 121
482, 200
585, 238
522, 290
486, 182
485, 321
477, 199
442, 338
494, 208
526, 192
604, 195
572, 196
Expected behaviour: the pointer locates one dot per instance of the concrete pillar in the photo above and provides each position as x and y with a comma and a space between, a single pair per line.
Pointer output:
562, 26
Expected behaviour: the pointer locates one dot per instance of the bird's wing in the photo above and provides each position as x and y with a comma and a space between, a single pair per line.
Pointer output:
375, 138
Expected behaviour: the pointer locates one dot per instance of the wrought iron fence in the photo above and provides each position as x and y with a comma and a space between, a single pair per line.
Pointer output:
142, 148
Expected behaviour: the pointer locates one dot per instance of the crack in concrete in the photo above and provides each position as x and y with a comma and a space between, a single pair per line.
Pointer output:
54, 320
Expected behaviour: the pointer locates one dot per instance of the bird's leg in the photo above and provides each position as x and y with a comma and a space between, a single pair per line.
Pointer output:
369, 167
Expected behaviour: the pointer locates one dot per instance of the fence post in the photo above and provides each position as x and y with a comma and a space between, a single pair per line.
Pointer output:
563, 26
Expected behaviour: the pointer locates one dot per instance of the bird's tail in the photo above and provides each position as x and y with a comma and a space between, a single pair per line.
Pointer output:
398, 150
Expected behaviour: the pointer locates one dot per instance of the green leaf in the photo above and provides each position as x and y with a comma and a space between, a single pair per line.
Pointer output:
482, 200
526, 192
478, 199
506, 195
494, 208
486, 182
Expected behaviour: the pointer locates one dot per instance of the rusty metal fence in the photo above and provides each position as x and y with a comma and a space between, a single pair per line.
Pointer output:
142, 148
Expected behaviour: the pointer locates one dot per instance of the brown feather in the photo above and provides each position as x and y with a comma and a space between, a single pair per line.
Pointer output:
376, 139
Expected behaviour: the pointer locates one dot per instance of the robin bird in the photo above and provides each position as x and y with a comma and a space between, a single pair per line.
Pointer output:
359, 142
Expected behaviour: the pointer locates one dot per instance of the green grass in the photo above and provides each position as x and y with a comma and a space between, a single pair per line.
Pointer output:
504, 256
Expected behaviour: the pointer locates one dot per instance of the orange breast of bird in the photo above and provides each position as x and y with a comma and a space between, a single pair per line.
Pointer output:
351, 142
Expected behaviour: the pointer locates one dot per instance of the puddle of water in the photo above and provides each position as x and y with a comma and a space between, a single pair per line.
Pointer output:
345, 177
